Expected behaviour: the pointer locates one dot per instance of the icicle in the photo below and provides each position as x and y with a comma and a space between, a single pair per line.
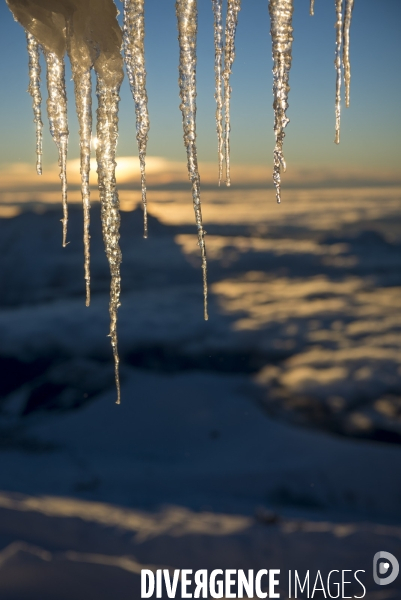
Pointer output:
34, 90
134, 52
233, 8
57, 112
349, 5
83, 101
187, 16
312, 8
218, 64
337, 64
281, 32
107, 133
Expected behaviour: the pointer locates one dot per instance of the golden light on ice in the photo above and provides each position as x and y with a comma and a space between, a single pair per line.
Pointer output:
90, 35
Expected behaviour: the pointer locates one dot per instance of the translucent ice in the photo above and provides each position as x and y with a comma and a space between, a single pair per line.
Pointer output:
337, 64
187, 17
218, 66
90, 34
107, 133
34, 90
233, 7
83, 101
349, 5
57, 113
281, 32
88, 31
134, 53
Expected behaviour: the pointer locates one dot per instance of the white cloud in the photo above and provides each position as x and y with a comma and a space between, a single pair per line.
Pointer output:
19, 182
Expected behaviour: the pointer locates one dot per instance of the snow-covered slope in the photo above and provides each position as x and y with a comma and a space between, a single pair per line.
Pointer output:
191, 470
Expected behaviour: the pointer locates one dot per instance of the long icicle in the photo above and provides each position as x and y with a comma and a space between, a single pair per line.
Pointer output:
233, 7
218, 66
134, 54
337, 64
83, 101
281, 31
107, 133
57, 112
187, 17
349, 5
312, 8
34, 90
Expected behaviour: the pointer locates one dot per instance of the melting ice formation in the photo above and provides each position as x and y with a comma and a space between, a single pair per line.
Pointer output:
91, 36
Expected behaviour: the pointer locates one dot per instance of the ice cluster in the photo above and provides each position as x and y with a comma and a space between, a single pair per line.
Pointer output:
89, 33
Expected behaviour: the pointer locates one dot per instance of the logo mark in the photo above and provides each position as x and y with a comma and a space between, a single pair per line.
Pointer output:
383, 567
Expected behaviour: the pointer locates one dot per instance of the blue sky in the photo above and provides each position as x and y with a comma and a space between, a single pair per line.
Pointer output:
370, 127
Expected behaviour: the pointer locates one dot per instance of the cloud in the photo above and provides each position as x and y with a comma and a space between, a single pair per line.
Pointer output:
19, 182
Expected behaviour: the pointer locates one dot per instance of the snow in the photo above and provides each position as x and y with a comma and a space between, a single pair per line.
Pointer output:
222, 453
172, 478
205, 464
